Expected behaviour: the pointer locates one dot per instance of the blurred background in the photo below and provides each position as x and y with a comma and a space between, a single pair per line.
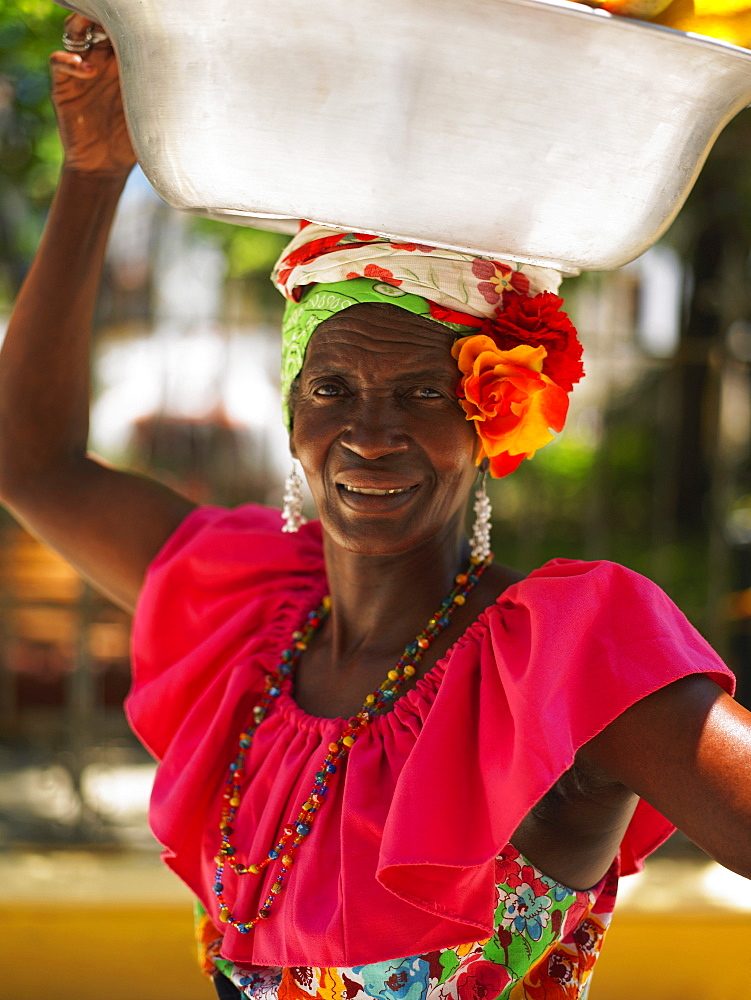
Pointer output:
652, 471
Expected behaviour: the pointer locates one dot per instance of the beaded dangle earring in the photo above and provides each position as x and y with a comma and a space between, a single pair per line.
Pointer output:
479, 543
292, 501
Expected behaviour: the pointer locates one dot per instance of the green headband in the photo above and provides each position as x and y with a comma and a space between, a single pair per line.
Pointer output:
321, 301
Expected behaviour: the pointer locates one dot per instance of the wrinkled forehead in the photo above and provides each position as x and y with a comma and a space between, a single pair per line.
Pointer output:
328, 305
379, 330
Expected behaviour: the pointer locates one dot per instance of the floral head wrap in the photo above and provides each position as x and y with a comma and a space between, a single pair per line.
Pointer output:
518, 354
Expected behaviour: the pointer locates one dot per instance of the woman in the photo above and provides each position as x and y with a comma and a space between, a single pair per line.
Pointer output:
427, 782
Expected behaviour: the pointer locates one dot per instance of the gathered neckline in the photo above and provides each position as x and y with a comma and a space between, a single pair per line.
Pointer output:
424, 690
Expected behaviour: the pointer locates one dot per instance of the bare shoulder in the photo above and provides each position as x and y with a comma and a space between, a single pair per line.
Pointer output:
497, 579
685, 713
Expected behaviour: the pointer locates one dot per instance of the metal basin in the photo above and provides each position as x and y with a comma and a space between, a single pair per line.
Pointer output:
539, 130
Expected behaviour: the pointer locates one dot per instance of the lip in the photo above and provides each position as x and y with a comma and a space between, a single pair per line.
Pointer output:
375, 497
359, 479
376, 491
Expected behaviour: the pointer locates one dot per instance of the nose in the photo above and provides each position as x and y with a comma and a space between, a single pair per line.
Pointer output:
375, 430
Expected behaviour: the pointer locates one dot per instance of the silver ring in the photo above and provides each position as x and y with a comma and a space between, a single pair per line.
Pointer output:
83, 44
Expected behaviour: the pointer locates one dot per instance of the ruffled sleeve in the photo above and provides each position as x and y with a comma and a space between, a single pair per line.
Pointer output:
561, 655
219, 603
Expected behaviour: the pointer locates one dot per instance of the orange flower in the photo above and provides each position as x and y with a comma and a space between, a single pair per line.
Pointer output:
513, 404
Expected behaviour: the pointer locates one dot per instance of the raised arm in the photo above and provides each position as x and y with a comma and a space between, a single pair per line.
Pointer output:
109, 524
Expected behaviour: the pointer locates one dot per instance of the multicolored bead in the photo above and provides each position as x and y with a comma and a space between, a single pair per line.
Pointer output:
295, 832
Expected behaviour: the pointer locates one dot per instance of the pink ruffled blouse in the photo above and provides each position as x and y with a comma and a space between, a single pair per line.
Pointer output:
401, 859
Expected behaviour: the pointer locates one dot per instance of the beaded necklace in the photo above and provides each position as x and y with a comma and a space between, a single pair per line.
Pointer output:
295, 832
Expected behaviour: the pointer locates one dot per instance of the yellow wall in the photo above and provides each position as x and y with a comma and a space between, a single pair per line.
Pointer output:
145, 953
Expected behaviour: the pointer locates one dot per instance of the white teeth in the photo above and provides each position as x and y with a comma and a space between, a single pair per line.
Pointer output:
374, 493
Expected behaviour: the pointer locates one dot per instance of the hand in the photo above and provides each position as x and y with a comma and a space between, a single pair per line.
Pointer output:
89, 107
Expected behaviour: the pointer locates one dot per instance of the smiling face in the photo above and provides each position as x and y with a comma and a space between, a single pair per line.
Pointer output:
377, 426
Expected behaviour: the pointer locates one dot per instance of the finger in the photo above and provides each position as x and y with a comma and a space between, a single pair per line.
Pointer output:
63, 64
77, 27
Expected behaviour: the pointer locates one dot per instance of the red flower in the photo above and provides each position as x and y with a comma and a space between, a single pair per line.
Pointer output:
498, 279
507, 866
306, 253
511, 873
412, 247
381, 273
539, 321
528, 877
482, 980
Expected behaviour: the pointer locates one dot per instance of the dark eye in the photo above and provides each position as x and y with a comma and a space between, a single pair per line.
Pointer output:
327, 389
425, 392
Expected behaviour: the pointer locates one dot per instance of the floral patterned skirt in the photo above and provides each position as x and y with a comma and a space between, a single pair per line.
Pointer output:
546, 942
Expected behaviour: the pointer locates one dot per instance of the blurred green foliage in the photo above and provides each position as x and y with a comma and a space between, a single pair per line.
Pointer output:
29, 149
31, 155
30, 152
599, 496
